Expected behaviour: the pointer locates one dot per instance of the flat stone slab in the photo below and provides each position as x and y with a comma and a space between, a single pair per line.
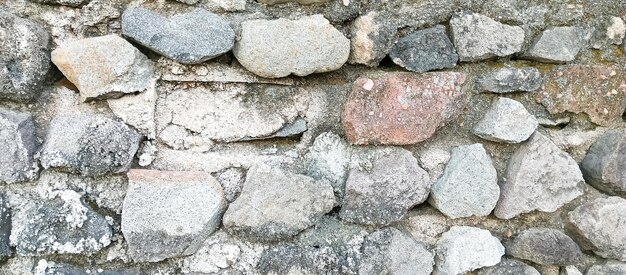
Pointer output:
510, 79
556, 45
506, 121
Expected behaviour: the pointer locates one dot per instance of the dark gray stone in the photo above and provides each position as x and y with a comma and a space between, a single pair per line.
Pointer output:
71, 3
389, 251
604, 165
372, 36
425, 50
545, 246
188, 38
52, 268
5, 229
509, 267
556, 45
18, 145
509, 79
25, 58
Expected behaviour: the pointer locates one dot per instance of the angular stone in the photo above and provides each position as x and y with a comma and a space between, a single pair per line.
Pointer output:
609, 30
539, 176
469, 184
90, 145
556, 45
478, 37
25, 58
509, 266
232, 180
456, 251
425, 224
60, 223
71, 3
18, 144
5, 229
328, 158
383, 184
425, 50
277, 48
610, 267
506, 121
169, 214
401, 108
599, 226
276, 204
137, 110
389, 251
372, 38
545, 246
570, 270
304, 2
596, 90
510, 79
188, 38
605, 162
89, 64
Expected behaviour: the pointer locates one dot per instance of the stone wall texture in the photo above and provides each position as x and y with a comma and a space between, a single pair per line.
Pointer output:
475, 137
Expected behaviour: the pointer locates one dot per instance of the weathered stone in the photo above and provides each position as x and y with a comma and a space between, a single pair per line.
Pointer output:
478, 37
137, 110
25, 58
5, 229
425, 50
276, 204
382, 185
389, 251
509, 266
277, 48
609, 30
90, 145
456, 251
188, 38
605, 162
510, 79
71, 3
599, 226
59, 223
372, 38
169, 214
556, 45
469, 184
304, 2
232, 180
401, 108
89, 64
539, 176
596, 90
188, 2
610, 267
544, 246
570, 270
506, 121
425, 224
328, 159
18, 145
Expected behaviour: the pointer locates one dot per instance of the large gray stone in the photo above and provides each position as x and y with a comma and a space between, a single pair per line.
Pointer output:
170, 214
506, 121
383, 184
610, 267
545, 246
276, 204
329, 158
372, 38
90, 145
478, 37
425, 50
389, 251
539, 176
18, 145
277, 48
605, 163
463, 248
509, 267
599, 226
188, 38
25, 58
469, 184
556, 45
510, 79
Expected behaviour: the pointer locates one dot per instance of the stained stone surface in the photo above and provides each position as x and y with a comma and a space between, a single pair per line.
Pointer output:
425, 50
19, 144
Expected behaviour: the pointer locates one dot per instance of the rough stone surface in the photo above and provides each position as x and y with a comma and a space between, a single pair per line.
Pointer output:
304, 2
25, 58
463, 248
511, 79
599, 226
5, 229
276, 204
169, 214
596, 90
389, 251
328, 159
18, 145
382, 185
188, 38
401, 108
137, 110
609, 30
232, 180
509, 267
540, 177
372, 38
469, 184
506, 121
478, 37
89, 64
556, 45
277, 48
604, 165
608, 268
425, 50
90, 145
71, 3
545, 246
426, 225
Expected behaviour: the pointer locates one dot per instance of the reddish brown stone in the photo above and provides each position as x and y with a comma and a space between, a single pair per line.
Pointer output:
401, 108
596, 90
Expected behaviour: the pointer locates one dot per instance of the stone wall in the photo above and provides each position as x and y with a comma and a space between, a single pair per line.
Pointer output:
312, 137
